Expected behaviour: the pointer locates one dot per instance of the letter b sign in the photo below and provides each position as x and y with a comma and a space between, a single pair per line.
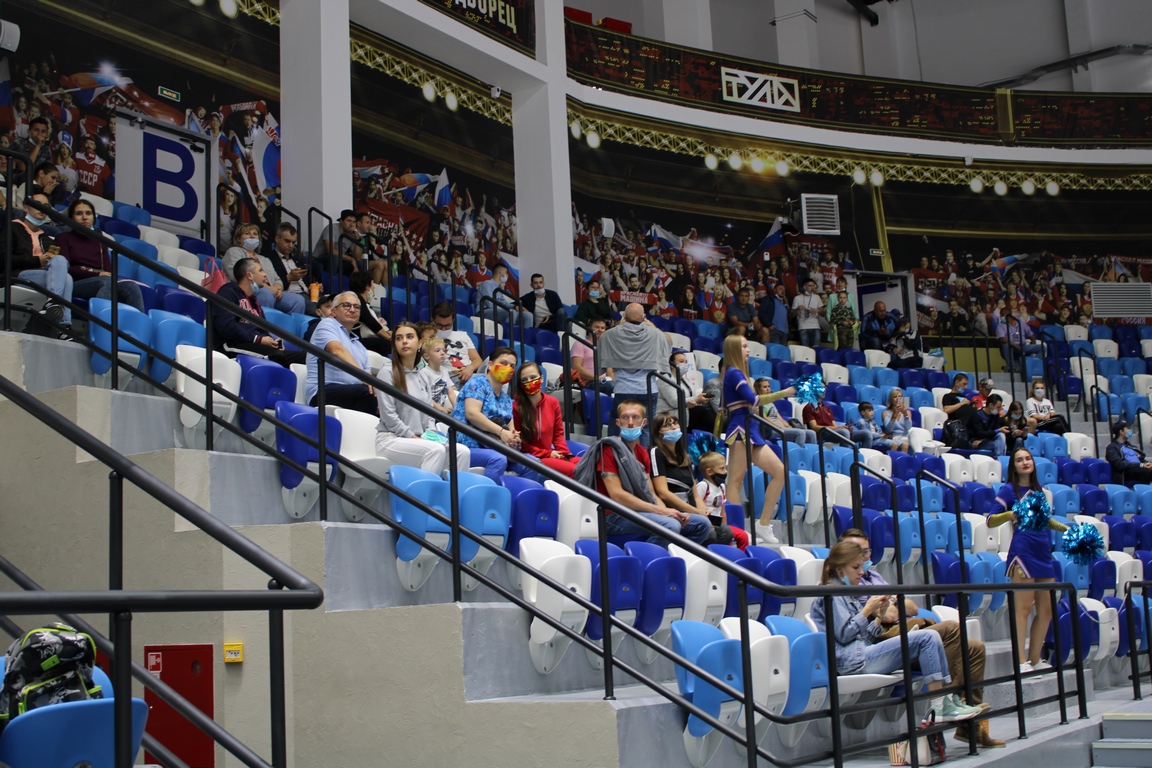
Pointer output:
169, 167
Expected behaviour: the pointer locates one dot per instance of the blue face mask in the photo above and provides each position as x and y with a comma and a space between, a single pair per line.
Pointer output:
674, 435
35, 221
867, 566
631, 434
593, 294
845, 580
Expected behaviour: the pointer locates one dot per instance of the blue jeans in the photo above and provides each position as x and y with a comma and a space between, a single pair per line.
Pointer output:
800, 436
926, 647
288, 302
127, 291
698, 528
1010, 354
809, 337
997, 447
504, 315
54, 279
494, 464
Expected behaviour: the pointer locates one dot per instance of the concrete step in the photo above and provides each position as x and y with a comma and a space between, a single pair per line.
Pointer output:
1127, 725
1123, 753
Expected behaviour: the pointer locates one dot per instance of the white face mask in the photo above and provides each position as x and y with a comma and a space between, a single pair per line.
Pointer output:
538, 291
1040, 392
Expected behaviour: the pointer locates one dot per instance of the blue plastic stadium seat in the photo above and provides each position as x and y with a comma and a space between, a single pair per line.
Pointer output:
759, 368
263, 384
170, 330
535, 511
661, 593
854, 357
301, 492
808, 673
708, 648
68, 734
625, 579
826, 355
1096, 471
135, 324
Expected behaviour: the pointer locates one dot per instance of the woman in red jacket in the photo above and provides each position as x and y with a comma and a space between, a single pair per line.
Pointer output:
540, 422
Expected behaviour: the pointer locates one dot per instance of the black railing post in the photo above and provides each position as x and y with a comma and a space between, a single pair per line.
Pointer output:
746, 668
1078, 655
322, 438
9, 219
454, 506
966, 661
514, 320
115, 531
209, 381
1133, 643
1058, 650
278, 713
1017, 683
605, 605
114, 347
122, 686
906, 670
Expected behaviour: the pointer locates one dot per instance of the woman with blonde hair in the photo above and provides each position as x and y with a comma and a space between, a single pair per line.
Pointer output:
740, 400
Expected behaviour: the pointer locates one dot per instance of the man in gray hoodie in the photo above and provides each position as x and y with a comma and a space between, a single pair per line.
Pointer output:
631, 351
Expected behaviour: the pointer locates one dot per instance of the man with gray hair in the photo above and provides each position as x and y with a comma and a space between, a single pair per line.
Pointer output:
632, 350
334, 335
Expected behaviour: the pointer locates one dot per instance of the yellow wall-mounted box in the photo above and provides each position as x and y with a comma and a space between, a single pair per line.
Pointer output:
233, 653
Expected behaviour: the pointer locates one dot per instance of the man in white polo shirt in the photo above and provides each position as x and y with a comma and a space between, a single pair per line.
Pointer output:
334, 334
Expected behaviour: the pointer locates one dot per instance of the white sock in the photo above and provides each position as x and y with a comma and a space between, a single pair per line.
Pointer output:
938, 703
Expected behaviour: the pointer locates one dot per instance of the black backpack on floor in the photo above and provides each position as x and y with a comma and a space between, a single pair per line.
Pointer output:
49, 665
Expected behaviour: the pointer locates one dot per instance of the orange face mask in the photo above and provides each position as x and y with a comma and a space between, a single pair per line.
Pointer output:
532, 387
503, 373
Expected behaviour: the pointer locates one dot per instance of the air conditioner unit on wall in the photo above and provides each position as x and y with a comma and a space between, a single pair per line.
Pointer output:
820, 214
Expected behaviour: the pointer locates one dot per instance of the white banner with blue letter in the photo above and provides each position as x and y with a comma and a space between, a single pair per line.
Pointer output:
168, 171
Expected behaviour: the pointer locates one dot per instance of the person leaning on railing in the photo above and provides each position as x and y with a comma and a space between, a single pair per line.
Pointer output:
857, 631
949, 632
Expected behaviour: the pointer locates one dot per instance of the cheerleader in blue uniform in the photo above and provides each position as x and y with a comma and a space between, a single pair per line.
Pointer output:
1029, 557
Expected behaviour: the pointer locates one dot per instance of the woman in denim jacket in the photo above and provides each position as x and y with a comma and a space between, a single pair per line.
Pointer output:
856, 629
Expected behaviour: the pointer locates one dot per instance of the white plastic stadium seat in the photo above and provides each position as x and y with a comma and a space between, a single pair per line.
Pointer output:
358, 445
834, 373
802, 354
707, 361
1075, 333
102, 207
756, 349
706, 589
159, 237
680, 341
225, 372
877, 358
1106, 348
546, 644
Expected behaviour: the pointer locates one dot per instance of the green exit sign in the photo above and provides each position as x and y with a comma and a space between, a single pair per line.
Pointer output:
875, 251
168, 93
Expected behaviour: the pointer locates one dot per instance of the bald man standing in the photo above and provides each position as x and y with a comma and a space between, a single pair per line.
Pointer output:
633, 349
334, 334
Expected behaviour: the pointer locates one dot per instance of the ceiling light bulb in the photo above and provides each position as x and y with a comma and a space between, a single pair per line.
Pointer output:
735, 161
1028, 187
711, 162
450, 101
429, 91
575, 129
230, 8
1000, 188
757, 165
782, 168
197, 2
877, 178
976, 185
593, 139
858, 176
1052, 188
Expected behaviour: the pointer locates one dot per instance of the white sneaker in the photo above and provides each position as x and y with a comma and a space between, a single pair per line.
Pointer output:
1041, 666
952, 711
1025, 668
768, 536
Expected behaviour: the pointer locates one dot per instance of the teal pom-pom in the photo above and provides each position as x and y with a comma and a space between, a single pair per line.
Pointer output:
1032, 512
809, 389
1083, 544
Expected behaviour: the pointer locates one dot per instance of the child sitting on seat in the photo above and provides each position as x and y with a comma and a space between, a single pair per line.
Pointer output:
711, 492
435, 374
867, 433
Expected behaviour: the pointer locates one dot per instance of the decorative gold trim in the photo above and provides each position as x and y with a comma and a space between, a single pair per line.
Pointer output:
881, 228
403, 64
1023, 235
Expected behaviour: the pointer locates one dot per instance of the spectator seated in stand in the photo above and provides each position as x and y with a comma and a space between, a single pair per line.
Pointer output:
898, 422
539, 420
90, 262
796, 434
234, 334
595, 306
463, 359
35, 258
373, 331
1129, 465
819, 417
986, 432
545, 307
483, 403
583, 359
502, 313
905, 346
878, 328
1041, 413
334, 335
621, 469
866, 432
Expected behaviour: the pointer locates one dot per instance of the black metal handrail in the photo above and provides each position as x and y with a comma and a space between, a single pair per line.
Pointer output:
566, 352
1094, 392
302, 594
823, 436
333, 258
1133, 638
744, 577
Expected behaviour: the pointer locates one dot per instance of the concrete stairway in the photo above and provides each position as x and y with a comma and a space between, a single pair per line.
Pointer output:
1127, 741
